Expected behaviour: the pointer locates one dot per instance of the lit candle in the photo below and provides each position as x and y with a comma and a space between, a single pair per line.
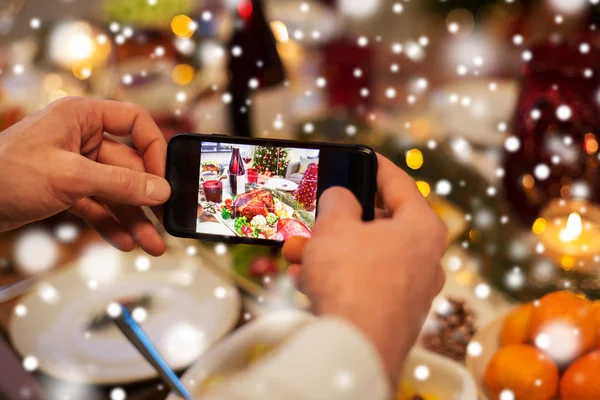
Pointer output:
570, 232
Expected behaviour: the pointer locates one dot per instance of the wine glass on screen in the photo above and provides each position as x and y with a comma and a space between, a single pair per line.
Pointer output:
247, 156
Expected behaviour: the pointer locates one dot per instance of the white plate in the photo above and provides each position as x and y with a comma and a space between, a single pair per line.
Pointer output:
213, 228
488, 337
448, 379
192, 308
281, 184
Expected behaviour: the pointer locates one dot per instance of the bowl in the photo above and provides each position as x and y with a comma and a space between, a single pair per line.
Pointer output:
445, 378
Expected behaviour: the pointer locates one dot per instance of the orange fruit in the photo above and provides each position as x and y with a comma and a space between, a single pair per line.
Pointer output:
580, 381
596, 311
524, 370
515, 329
562, 325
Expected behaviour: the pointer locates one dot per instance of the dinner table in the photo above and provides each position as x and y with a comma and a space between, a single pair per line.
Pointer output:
15, 381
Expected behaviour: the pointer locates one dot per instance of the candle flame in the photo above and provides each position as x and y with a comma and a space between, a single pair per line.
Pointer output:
280, 31
573, 229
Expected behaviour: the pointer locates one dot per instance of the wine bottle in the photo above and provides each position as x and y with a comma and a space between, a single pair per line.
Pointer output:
257, 86
236, 170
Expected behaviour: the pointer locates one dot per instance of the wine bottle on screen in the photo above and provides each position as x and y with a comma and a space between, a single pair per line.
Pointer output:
236, 173
259, 96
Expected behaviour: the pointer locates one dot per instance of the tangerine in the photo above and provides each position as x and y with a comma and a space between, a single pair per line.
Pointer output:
580, 380
515, 329
596, 311
524, 370
562, 325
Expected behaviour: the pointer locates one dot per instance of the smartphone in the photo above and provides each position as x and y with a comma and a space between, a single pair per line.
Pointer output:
259, 191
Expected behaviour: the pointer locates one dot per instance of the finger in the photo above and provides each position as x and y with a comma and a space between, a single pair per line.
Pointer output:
140, 228
114, 153
294, 272
125, 119
440, 279
339, 202
382, 214
293, 248
104, 223
118, 184
395, 186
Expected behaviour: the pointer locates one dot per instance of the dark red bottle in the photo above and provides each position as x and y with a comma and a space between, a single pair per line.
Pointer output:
254, 67
236, 168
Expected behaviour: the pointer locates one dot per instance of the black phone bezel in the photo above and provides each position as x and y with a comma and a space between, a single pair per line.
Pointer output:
370, 180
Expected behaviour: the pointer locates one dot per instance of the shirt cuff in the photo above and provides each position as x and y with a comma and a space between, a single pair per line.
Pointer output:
329, 359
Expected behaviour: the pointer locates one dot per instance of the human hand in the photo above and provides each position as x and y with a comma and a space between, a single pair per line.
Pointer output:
60, 158
380, 275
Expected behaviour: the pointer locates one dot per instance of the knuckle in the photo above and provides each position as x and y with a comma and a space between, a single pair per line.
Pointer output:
126, 180
68, 103
138, 110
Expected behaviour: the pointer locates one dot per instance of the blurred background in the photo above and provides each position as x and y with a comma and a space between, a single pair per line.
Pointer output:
491, 105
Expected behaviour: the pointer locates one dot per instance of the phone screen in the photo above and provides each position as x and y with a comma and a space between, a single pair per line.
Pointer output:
258, 191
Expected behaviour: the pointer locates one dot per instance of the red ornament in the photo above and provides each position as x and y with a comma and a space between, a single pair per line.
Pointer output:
306, 194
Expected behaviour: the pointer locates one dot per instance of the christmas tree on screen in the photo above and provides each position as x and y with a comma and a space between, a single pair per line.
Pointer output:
273, 160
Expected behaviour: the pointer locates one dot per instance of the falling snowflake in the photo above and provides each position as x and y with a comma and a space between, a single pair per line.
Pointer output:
139, 314
343, 380
220, 249
35, 251
518, 40
507, 394
483, 291
35, 23
118, 394
20, 310
560, 340
422, 373
48, 293
564, 112
512, 144
474, 349
541, 172
30, 363
142, 263
220, 292
515, 279
443, 188
453, 263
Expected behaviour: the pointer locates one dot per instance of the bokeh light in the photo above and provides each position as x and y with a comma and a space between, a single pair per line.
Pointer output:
35, 251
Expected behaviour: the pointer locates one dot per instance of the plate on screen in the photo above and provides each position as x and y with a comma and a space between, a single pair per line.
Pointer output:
213, 228
281, 184
183, 307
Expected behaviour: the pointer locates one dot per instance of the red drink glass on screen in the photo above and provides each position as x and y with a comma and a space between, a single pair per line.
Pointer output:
213, 190
252, 175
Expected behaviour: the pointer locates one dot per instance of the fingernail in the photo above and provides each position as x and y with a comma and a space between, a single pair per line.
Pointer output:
157, 189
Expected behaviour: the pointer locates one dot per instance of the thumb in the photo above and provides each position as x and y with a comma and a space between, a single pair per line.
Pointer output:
125, 186
339, 202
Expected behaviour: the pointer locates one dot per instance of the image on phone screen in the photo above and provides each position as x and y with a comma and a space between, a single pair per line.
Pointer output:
258, 192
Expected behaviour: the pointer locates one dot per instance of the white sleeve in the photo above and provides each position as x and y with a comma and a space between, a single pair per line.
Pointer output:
329, 359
